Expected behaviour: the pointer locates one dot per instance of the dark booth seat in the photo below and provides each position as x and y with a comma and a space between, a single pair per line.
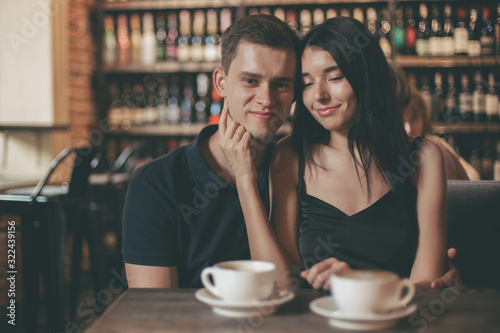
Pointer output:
474, 230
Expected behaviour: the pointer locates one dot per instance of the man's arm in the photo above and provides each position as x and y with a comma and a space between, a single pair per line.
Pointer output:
141, 276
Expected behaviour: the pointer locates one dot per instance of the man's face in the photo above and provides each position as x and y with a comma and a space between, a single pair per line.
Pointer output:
259, 88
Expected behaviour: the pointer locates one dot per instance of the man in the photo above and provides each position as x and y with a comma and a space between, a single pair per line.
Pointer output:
182, 211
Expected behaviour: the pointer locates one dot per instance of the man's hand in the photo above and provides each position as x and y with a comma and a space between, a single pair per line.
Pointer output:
318, 276
451, 277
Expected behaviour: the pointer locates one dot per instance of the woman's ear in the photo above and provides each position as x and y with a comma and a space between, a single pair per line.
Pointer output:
219, 81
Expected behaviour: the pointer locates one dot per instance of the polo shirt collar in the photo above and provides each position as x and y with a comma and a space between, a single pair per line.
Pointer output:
201, 171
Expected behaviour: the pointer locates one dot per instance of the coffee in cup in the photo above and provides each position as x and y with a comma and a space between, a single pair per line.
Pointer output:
240, 280
369, 292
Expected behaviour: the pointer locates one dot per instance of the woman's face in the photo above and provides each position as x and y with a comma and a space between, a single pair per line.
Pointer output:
326, 92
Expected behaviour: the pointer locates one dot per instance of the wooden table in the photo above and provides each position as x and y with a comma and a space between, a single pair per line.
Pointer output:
177, 310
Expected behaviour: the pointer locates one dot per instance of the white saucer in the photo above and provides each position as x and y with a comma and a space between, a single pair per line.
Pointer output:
244, 309
325, 306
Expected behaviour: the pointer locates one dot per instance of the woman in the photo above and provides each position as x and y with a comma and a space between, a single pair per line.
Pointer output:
417, 122
348, 185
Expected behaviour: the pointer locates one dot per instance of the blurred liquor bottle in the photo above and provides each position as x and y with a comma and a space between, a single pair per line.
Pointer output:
465, 100
491, 105
461, 34
212, 41
423, 32
438, 99
318, 16
123, 40
436, 33
171, 39
291, 20
451, 110
385, 32
305, 22
487, 39
448, 44
280, 13
148, 47
202, 101
161, 36
478, 98
226, 19
187, 104
185, 42
410, 32
331, 13
198, 40
173, 101
474, 45
399, 32
357, 14
135, 38
109, 40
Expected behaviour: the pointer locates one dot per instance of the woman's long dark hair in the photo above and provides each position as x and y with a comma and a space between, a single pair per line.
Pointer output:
377, 130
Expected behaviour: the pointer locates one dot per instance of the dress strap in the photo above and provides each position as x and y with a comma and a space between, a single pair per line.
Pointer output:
301, 174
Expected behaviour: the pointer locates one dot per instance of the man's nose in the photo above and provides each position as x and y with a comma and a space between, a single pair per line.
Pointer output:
264, 95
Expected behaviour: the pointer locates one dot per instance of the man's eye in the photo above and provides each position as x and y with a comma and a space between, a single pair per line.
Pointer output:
280, 85
306, 84
250, 81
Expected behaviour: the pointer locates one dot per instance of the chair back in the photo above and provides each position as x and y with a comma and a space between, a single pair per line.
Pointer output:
82, 168
474, 230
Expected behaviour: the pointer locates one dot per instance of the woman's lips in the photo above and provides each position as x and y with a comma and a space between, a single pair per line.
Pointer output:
327, 111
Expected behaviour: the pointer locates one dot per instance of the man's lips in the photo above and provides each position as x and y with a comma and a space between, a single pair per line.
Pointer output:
327, 111
262, 115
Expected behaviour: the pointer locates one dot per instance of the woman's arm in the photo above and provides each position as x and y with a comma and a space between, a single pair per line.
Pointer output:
264, 245
431, 186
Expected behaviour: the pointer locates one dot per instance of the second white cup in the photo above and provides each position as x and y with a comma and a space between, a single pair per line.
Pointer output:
368, 292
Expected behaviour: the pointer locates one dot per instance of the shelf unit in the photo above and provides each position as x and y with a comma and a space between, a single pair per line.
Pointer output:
415, 63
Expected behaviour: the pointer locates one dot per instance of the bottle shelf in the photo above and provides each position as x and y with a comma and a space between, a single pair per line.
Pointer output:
162, 67
466, 128
169, 4
172, 130
447, 62
404, 61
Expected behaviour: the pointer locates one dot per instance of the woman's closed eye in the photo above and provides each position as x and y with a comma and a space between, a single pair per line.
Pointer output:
336, 78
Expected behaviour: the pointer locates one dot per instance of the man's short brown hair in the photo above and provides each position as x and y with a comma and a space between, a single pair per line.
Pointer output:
262, 29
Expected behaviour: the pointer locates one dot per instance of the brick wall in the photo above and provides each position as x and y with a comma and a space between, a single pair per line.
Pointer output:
81, 57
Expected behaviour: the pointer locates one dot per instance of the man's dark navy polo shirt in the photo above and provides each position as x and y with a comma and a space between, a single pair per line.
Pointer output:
179, 212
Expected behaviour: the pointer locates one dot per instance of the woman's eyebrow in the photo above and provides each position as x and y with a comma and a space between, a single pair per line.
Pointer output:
326, 70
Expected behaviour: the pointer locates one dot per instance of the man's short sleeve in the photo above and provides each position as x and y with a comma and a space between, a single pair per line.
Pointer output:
149, 219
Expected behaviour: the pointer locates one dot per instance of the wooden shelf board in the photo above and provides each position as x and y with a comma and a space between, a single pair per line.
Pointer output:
440, 62
162, 67
466, 128
169, 4
180, 4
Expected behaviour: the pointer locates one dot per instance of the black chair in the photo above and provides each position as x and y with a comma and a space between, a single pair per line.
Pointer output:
44, 212
107, 192
474, 230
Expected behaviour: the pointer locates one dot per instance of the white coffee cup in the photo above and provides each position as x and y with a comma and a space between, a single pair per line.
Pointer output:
369, 292
240, 280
